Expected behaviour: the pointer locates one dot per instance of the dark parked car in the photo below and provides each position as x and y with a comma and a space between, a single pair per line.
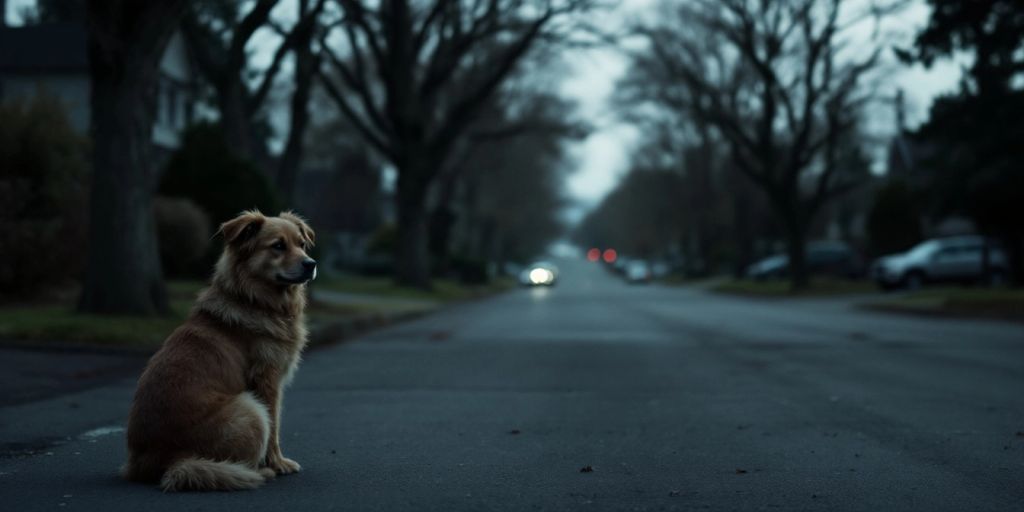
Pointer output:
834, 259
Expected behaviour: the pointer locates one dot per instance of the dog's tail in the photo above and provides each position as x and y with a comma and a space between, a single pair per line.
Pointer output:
194, 474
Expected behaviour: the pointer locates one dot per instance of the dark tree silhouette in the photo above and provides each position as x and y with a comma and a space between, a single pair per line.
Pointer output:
769, 77
126, 41
224, 63
894, 220
980, 168
219, 34
412, 76
301, 40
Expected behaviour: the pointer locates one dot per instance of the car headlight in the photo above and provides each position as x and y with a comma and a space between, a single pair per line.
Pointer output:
541, 276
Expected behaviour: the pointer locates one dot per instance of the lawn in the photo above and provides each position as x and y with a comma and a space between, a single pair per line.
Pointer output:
780, 288
1000, 303
57, 322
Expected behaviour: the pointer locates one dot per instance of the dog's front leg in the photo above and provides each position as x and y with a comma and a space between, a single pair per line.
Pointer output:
272, 394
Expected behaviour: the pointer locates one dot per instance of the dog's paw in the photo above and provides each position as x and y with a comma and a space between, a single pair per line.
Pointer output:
283, 465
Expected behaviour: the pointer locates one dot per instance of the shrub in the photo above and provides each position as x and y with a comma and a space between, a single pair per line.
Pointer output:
184, 233
43, 195
205, 171
894, 221
470, 270
383, 241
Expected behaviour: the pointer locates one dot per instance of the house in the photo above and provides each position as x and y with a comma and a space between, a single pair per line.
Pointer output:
908, 161
52, 58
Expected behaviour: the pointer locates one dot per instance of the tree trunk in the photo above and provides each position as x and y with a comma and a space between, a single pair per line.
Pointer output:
1014, 245
742, 231
291, 158
305, 66
440, 230
796, 248
412, 260
440, 223
122, 274
241, 131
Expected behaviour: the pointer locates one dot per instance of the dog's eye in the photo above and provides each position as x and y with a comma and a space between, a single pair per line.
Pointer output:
278, 246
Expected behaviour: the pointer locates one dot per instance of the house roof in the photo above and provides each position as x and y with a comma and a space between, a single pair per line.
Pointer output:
908, 154
46, 48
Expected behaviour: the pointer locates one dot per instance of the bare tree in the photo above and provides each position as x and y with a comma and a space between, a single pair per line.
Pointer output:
301, 40
126, 42
516, 119
219, 37
412, 76
777, 81
224, 62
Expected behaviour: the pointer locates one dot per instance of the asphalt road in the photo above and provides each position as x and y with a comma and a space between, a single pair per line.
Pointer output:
672, 398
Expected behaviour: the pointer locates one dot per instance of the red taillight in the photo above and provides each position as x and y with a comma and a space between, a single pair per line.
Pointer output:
594, 254
610, 255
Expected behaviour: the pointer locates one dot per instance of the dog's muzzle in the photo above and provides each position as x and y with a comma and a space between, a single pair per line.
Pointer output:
309, 269
308, 273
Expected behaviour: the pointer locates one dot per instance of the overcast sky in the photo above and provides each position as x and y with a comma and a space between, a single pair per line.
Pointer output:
603, 157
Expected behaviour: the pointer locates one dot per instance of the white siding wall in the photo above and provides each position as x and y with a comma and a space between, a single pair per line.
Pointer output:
173, 96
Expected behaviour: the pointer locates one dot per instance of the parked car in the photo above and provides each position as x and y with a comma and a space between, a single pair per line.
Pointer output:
772, 267
638, 271
620, 264
540, 273
660, 269
953, 259
834, 259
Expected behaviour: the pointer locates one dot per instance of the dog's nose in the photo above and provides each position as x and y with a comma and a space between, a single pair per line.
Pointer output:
308, 264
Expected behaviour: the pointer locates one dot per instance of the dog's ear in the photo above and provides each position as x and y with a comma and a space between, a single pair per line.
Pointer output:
243, 227
307, 232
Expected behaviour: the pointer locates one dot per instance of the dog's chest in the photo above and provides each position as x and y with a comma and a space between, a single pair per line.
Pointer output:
273, 359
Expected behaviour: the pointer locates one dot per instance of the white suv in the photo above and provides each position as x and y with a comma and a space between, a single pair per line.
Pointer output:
954, 259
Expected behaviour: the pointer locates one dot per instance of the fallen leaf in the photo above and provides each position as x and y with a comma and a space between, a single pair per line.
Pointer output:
586, 469
673, 493
741, 471
514, 431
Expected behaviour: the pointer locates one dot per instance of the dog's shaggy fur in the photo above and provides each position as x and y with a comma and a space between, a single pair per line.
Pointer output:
207, 411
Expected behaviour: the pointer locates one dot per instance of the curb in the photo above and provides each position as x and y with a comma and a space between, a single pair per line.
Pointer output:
337, 331
939, 314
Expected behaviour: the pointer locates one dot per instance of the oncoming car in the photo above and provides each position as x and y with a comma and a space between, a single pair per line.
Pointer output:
540, 273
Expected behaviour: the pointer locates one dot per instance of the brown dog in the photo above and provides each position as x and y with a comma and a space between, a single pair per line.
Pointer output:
207, 411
